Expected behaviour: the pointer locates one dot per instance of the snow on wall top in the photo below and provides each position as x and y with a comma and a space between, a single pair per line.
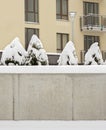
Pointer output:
76, 69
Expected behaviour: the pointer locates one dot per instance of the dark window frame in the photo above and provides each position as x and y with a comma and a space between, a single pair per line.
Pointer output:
36, 31
34, 12
61, 15
61, 42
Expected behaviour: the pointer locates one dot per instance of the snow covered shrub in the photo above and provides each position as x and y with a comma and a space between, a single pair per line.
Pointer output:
68, 55
93, 55
36, 54
14, 54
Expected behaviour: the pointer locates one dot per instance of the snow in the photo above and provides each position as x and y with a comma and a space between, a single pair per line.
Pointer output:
42, 56
68, 55
78, 69
50, 53
37, 55
35, 43
14, 53
94, 56
53, 125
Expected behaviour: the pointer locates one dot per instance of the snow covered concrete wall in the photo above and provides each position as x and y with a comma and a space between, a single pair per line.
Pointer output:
52, 96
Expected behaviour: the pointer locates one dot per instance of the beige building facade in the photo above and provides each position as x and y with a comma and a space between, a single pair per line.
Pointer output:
50, 20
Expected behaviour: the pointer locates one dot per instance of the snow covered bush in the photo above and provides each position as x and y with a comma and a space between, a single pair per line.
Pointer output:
14, 53
36, 54
93, 55
68, 55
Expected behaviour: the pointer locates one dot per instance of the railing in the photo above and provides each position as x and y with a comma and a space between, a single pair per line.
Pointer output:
104, 54
82, 55
1, 53
93, 22
53, 57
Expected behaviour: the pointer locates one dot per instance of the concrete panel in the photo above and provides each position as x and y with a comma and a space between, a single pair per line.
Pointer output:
104, 98
6, 97
15, 96
89, 100
45, 97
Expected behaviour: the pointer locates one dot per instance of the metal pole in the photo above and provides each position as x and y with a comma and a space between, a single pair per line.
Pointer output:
72, 16
72, 30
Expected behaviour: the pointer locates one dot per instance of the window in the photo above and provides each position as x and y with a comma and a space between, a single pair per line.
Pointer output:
62, 9
28, 34
88, 40
31, 11
91, 10
62, 39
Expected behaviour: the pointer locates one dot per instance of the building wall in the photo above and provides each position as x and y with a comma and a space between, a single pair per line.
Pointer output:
13, 23
103, 35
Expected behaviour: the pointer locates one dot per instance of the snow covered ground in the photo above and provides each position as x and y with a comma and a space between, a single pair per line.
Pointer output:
52, 125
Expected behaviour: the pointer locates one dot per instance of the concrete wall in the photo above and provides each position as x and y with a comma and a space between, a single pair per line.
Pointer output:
6, 96
53, 96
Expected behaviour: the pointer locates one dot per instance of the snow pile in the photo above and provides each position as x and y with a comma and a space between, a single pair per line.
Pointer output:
36, 54
93, 56
68, 55
14, 53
